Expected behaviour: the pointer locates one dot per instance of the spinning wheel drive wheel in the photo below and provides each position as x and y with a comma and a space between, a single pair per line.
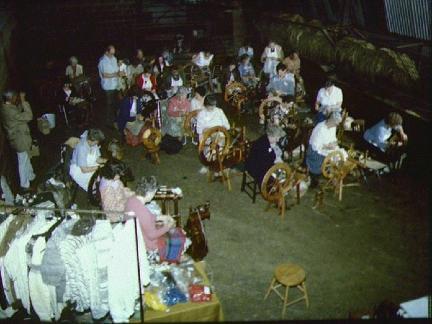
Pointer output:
151, 139
235, 94
267, 104
332, 164
189, 124
276, 182
214, 146
93, 193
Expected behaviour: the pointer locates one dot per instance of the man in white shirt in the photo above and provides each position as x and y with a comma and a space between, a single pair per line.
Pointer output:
329, 99
109, 74
323, 140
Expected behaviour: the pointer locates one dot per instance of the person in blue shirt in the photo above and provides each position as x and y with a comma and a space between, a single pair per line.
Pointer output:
283, 82
379, 134
247, 71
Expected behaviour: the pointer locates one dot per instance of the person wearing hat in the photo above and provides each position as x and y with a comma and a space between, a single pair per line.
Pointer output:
323, 140
74, 70
16, 113
178, 107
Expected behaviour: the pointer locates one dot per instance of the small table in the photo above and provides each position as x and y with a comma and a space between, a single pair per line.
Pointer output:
189, 312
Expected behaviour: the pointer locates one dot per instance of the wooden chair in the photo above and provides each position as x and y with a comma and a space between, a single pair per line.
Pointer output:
250, 186
288, 275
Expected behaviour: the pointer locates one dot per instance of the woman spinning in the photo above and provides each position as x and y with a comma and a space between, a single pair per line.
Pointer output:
86, 157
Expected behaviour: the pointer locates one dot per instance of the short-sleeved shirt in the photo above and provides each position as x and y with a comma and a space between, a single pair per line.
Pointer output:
108, 65
81, 151
322, 135
207, 119
326, 99
379, 134
286, 85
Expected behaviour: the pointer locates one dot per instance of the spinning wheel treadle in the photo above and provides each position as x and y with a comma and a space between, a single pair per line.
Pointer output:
214, 146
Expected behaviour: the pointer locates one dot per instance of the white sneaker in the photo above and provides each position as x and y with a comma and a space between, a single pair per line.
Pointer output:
203, 170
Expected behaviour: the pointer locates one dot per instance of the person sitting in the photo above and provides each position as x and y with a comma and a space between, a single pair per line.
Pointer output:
159, 66
73, 104
271, 57
15, 114
246, 49
147, 81
232, 74
323, 140
209, 117
123, 84
130, 108
329, 99
133, 71
74, 69
203, 60
173, 81
113, 192
247, 71
86, 157
264, 152
168, 56
140, 58
178, 107
197, 102
292, 62
379, 134
283, 82
152, 230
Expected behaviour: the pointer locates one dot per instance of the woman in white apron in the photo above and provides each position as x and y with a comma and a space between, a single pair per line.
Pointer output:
86, 157
271, 56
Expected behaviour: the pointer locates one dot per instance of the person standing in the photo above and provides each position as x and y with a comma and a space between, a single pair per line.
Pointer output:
16, 113
109, 74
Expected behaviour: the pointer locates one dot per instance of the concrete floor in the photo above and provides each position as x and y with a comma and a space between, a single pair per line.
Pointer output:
372, 246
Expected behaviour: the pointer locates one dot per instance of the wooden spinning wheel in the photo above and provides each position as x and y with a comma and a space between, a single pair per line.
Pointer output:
277, 181
335, 168
265, 106
189, 124
236, 94
151, 139
214, 146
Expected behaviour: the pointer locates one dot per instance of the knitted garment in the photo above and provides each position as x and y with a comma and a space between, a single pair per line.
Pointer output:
53, 270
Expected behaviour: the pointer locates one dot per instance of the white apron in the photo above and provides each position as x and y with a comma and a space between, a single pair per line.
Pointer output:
271, 61
83, 178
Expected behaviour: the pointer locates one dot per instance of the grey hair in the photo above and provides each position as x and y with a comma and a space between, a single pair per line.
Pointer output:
182, 91
274, 131
335, 117
95, 134
8, 95
146, 185
73, 59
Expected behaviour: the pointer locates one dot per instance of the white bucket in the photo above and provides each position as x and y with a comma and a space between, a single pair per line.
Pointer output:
50, 118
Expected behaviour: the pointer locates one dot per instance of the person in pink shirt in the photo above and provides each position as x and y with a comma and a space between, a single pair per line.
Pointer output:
178, 107
152, 230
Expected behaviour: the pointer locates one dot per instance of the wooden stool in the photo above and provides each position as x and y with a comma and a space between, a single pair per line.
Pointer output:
288, 275
249, 183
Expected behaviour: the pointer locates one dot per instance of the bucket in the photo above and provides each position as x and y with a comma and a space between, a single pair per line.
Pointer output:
51, 119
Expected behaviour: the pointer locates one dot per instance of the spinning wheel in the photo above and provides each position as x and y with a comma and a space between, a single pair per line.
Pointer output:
236, 94
265, 107
189, 125
335, 168
213, 147
151, 139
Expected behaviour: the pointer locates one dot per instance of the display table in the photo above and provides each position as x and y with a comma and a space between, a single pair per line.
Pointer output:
188, 312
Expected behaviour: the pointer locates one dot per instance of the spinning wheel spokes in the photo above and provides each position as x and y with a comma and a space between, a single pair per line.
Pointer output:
214, 145
235, 92
276, 182
332, 164
266, 104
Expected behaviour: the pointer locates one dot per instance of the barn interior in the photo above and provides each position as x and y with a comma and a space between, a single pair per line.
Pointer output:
365, 251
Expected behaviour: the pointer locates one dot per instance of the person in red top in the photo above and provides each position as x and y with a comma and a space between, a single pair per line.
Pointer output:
147, 81
178, 107
152, 230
